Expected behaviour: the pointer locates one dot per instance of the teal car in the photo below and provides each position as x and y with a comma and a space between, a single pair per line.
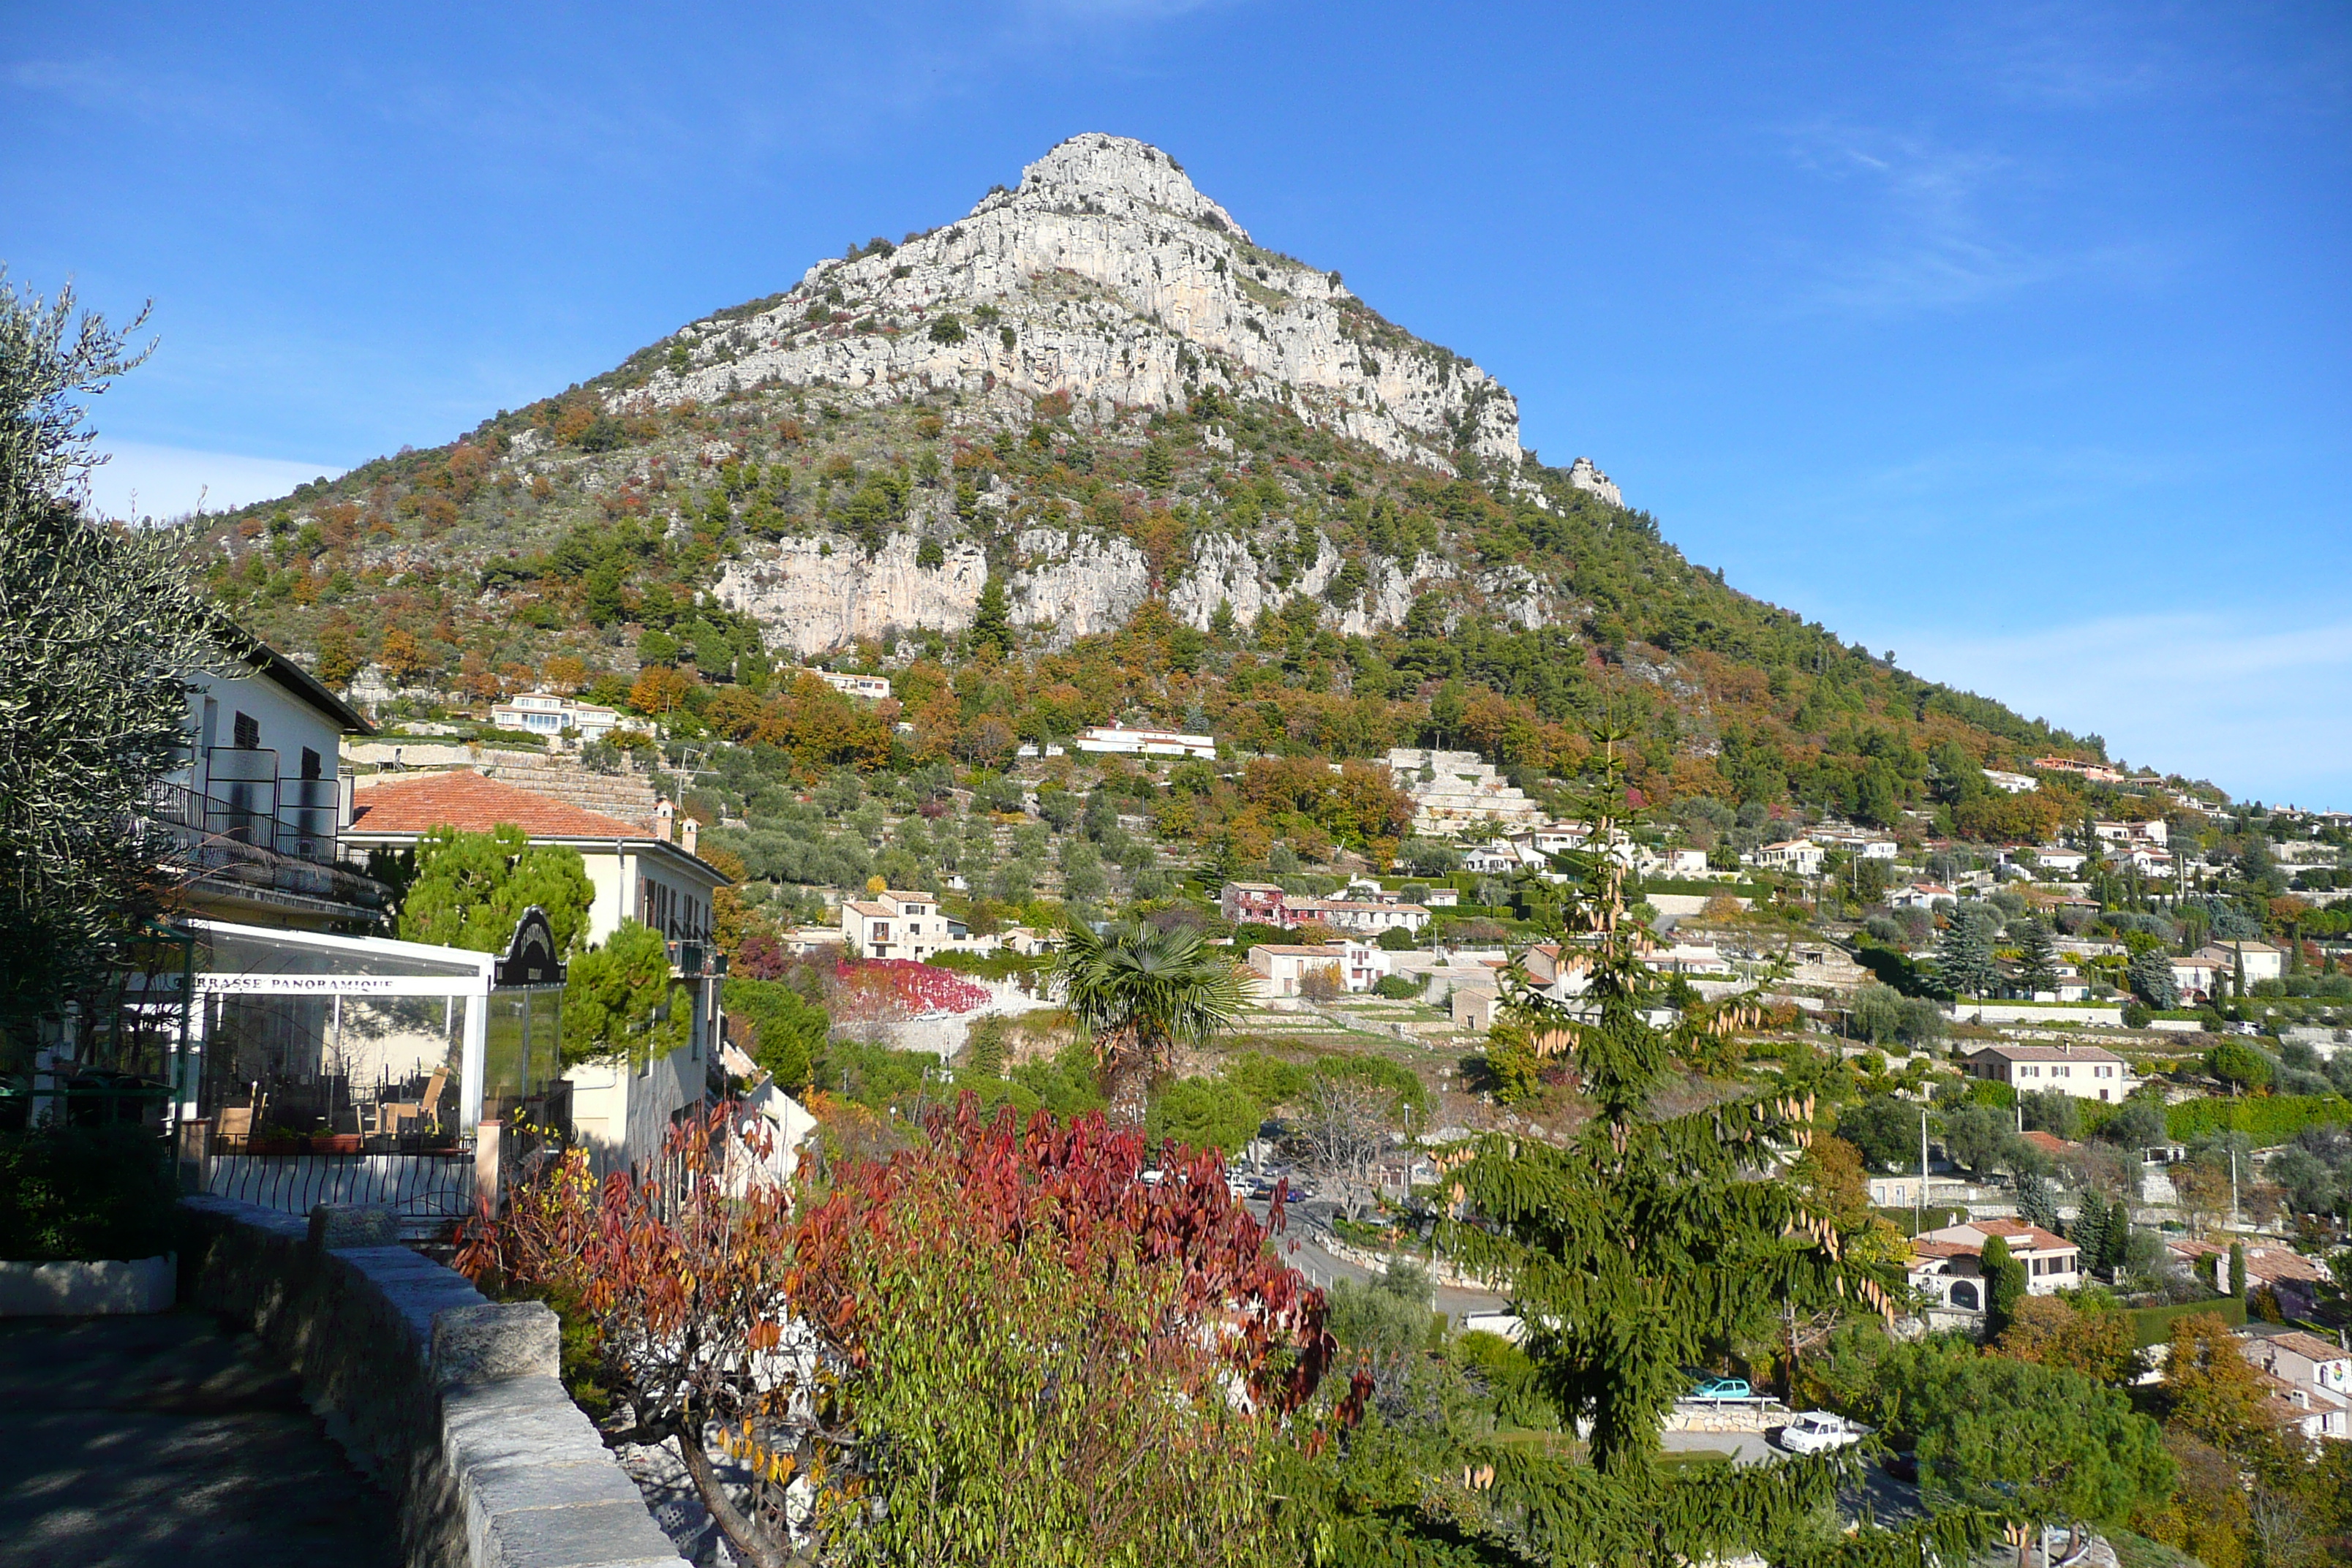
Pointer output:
1722, 1388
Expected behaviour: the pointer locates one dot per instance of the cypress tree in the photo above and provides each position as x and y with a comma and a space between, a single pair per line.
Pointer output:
2037, 958
2238, 1269
2004, 1278
992, 625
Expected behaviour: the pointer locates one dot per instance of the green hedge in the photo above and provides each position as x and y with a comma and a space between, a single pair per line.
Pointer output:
1698, 886
1908, 1221
85, 1192
2153, 1325
2267, 1119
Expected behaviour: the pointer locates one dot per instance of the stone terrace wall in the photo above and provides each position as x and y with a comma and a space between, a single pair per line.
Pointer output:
452, 1401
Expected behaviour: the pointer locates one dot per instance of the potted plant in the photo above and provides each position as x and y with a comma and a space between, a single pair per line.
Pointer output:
335, 1143
272, 1139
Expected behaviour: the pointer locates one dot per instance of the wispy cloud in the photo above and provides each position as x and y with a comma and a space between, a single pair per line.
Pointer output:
2262, 710
1925, 231
100, 84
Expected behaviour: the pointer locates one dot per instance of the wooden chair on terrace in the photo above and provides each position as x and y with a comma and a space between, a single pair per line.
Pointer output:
414, 1115
234, 1126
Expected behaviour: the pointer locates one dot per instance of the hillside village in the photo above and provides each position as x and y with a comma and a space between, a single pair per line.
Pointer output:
762, 767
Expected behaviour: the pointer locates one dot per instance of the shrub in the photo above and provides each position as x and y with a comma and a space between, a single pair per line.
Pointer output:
2269, 1119
1396, 988
84, 1192
946, 329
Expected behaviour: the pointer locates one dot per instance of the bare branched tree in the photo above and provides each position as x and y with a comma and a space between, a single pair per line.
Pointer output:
1344, 1124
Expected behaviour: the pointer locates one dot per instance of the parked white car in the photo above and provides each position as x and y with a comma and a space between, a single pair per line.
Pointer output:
1818, 1432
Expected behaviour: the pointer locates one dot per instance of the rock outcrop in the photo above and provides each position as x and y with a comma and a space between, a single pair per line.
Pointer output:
1107, 276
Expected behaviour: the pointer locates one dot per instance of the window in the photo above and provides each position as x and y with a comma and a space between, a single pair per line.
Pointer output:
313, 767
881, 932
248, 732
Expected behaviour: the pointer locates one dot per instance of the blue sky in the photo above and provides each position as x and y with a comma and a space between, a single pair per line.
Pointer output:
2011, 338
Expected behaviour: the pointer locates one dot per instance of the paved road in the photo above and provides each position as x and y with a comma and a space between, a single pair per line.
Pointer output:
1301, 1250
172, 1442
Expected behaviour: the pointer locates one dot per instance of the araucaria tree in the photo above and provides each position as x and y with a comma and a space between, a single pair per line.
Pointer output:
1141, 995
1644, 1244
102, 632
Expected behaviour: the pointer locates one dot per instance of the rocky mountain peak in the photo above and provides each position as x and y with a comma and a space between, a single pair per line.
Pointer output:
1110, 278
1096, 172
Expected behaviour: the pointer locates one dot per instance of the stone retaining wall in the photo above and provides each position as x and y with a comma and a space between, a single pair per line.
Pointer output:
450, 1401
87, 1290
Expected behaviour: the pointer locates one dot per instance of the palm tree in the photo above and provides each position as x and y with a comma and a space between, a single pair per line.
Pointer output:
1140, 993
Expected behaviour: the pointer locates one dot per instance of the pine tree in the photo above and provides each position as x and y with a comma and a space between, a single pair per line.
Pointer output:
1964, 961
2150, 975
2037, 1202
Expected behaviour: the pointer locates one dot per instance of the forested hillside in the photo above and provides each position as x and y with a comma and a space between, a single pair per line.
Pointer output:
1030, 554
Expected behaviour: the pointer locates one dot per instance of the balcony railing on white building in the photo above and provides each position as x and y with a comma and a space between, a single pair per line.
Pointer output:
251, 830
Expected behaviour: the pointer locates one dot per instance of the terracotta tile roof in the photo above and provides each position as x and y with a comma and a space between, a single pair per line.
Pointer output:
2048, 1142
2029, 1237
2048, 1053
473, 803
2034, 1236
2311, 1347
2272, 1264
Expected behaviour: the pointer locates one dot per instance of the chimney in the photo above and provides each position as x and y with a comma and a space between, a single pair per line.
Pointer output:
665, 814
687, 832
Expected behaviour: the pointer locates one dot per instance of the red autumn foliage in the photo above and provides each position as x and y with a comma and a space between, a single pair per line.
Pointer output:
1077, 1187
899, 987
693, 1275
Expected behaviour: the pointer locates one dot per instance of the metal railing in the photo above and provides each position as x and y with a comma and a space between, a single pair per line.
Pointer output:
429, 1192
212, 840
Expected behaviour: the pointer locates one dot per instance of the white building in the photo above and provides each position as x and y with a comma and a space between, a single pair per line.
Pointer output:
1862, 845
1282, 969
2086, 1072
2262, 961
1145, 742
1800, 856
255, 816
1921, 896
2058, 859
1679, 863
1357, 916
874, 687
621, 1110
2014, 783
1947, 1265
894, 924
547, 714
2316, 1374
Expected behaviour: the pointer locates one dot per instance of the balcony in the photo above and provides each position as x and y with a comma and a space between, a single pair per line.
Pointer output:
255, 837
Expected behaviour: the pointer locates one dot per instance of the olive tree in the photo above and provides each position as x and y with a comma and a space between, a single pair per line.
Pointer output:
103, 630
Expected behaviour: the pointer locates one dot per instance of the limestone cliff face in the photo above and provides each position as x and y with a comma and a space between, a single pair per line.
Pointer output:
812, 594
1110, 275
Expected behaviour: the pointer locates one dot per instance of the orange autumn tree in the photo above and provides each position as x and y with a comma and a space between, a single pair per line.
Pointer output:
1002, 1335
